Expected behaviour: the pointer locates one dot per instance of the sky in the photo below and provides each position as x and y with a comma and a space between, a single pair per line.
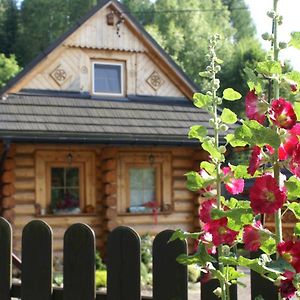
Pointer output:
290, 10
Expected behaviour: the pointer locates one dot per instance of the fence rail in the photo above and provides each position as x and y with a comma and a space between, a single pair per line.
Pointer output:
123, 267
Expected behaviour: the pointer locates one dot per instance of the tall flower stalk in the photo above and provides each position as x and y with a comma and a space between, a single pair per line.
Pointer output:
273, 135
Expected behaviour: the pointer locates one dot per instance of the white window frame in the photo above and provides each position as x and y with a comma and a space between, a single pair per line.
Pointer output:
108, 64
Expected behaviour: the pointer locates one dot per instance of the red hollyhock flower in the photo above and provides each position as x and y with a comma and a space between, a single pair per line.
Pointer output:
295, 161
290, 251
287, 288
291, 141
205, 209
255, 109
266, 196
257, 157
233, 185
221, 234
252, 237
282, 113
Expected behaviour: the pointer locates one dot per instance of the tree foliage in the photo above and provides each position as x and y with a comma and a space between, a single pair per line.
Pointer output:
8, 68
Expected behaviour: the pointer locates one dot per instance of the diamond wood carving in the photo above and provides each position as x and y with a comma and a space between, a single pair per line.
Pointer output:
155, 80
59, 75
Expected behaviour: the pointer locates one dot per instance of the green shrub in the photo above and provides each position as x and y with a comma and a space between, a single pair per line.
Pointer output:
193, 273
99, 263
101, 278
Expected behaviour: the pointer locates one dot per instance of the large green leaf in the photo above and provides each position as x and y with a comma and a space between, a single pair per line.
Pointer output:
194, 181
228, 116
197, 132
295, 208
297, 110
254, 83
231, 95
269, 68
230, 138
295, 40
241, 171
268, 246
183, 235
297, 229
254, 133
212, 150
201, 100
293, 188
208, 167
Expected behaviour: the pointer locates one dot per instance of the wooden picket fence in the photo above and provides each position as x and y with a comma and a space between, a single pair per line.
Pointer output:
123, 267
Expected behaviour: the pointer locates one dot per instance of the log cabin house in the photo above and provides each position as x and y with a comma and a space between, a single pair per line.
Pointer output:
95, 130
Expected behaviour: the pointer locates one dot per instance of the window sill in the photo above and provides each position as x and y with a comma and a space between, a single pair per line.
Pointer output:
163, 213
66, 215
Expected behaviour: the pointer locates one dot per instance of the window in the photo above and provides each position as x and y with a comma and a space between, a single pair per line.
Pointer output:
65, 181
108, 78
144, 182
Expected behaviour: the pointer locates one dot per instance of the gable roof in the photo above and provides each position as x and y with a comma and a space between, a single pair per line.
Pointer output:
64, 117
147, 39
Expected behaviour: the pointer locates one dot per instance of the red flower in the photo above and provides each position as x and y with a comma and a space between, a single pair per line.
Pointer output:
266, 196
252, 237
290, 251
290, 142
282, 113
205, 209
287, 288
233, 185
256, 157
221, 234
255, 109
295, 161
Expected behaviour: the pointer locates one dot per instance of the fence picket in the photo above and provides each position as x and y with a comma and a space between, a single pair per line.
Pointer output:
123, 265
261, 286
5, 259
79, 263
170, 280
36, 261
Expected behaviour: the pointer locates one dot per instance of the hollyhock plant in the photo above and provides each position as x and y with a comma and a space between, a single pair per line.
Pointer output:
257, 158
252, 236
287, 289
255, 108
266, 196
205, 210
295, 161
233, 186
220, 232
291, 140
282, 113
290, 251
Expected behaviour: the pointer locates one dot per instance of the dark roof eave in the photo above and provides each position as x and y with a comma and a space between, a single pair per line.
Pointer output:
101, 139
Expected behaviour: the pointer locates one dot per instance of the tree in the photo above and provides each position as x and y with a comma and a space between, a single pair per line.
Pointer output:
8, 68
143, 10
8, 26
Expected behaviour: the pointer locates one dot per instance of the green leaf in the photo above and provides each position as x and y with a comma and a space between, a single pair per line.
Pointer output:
231, 95
297, 229
208, 167
295, 208
183, 235
205, 74
230, 138
254, 133
295, 40
212, 150
297, 110
269, 68
194, 181
254, 83
293, 78
197, 132
241, 171
232, 273
228, 116
269, 246
218, 61
201, 100
293, 189
280, 265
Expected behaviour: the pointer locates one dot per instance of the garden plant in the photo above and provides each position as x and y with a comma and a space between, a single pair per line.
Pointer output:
272, 133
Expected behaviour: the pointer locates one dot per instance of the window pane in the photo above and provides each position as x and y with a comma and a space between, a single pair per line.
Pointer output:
149, 195
72, 197
57, 177
72, 177
107, 79
149, 177
135, 175
57, 197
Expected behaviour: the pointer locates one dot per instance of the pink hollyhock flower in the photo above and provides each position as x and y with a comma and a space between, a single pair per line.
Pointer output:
295, 162
287, 288
233, 185
221, 234
290, 251
255, 109
282, 113
205, 210
266, 196
209, 189
252, 237
291, 141
206, 238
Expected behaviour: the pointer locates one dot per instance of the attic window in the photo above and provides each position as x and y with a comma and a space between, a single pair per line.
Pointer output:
108, 79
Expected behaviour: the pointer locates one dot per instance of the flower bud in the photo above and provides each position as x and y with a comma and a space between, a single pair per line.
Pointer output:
218, 68
271, 14
223, 127
280, 20
266, 36
222, 149
218, 292
282, 45
209, 93
211, 122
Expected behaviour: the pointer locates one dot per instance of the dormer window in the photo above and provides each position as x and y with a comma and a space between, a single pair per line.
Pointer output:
108, 79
